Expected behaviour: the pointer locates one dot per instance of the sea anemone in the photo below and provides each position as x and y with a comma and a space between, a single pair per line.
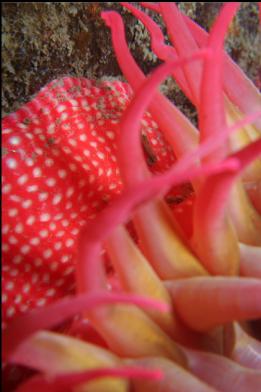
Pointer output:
165, 299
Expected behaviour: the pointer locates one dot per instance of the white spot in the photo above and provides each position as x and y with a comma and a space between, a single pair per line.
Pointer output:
47, 253
62, 173
27, 203
46, 111
38, 262
23, 179
73, 102
58, 216
13, 212
83, 137
44, 233
39, 151
29, 136
50, 292
68, 205
41, 302
67, 150
9, 286
72, 142
93, 144
25, 249
10, 311
26, 288
24, 308
19, 228
49, 162
65, 223
43, 196
5, 247
5, 229
112, 186
64, 116
30, 220
110, 135
15, 198
51, 129
7, 131
11, 163
17, 299
80, 125
54, 266
144, 122
50, 182
57, 245
52, 226
69, 242
86, 153
29, 162
86, 167
12, 240
100, 155
6, 268
14, 272
6, 188
65, 258
59, 282
15, 140
95, 163
45, 217
38, 131
4, 298
73, 167
57, 198
34, 241
17, 259
68, 271
66, 126
37, 172
70, 191
32, 188
61, 108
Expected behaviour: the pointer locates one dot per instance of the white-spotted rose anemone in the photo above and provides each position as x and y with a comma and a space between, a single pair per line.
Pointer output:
175, 311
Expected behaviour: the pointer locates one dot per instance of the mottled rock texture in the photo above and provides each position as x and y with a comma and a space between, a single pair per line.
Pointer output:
44, 41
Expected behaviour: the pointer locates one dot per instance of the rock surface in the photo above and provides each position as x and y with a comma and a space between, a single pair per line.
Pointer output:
43, 41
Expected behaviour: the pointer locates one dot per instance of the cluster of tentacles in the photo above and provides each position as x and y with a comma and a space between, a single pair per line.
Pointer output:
175, 313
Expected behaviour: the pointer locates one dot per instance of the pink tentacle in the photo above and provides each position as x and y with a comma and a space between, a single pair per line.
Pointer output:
24, 326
